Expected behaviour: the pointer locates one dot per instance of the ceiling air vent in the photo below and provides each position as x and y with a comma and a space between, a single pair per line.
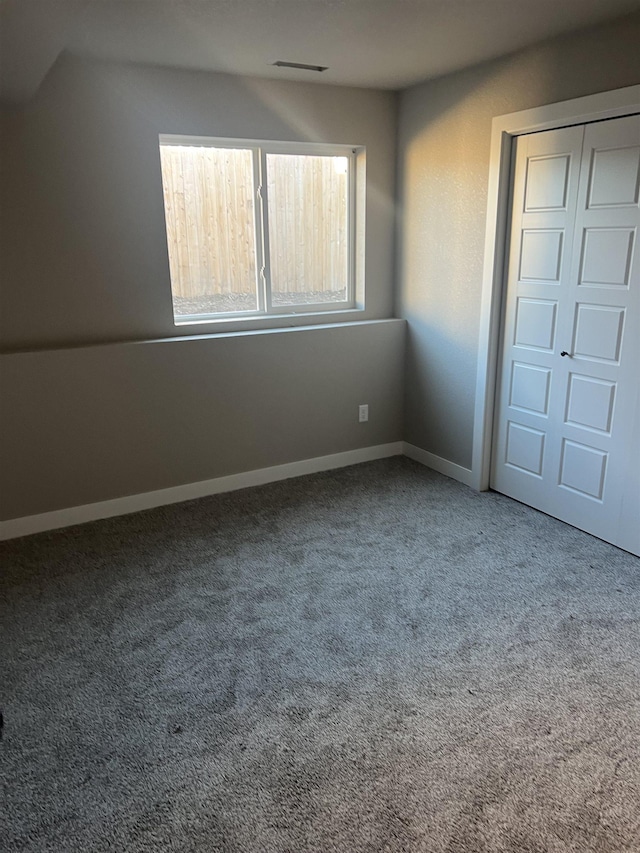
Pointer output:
281, 64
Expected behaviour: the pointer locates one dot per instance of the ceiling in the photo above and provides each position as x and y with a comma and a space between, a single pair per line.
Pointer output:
386, 44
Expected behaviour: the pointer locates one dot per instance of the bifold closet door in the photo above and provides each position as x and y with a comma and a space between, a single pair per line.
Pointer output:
567, 428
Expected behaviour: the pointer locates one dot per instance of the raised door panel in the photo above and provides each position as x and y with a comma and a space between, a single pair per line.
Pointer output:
541, 255
590, 403
524, 450
598, 331
546, 182
614, 179
530, 388
607, 254
535, 326
582, 469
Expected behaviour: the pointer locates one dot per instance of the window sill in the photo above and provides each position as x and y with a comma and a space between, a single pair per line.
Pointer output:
278, 330
266, 322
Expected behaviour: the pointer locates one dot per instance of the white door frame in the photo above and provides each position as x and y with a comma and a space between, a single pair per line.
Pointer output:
604, 105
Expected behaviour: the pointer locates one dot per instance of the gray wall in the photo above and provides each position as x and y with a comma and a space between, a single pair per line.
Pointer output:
443, 150
86, 416
92, 423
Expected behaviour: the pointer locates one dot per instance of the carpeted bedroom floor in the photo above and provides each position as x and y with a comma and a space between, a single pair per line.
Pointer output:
366, 660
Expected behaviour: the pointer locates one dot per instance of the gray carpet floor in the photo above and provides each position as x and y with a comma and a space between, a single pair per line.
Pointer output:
372, 659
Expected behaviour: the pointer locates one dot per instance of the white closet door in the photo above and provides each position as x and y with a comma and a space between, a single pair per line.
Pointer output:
567, 424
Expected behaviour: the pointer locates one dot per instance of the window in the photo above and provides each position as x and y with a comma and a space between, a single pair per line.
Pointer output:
258, 229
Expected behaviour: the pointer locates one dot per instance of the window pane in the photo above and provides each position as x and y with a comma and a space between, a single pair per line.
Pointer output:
308, 228
209, 211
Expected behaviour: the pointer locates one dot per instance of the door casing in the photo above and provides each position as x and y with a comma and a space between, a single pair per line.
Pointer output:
604, 105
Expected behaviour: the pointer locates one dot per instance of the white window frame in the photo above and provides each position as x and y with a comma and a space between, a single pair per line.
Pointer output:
355, 277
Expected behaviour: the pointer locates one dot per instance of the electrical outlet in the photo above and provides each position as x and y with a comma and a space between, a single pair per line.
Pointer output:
363, 413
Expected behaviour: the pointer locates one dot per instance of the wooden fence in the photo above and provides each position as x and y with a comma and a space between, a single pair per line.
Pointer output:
209, 206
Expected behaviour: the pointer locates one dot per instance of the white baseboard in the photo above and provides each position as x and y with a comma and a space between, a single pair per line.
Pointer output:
147, 500
437, 463
29, 524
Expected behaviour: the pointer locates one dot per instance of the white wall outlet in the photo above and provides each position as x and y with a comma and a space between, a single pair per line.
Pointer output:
363, 413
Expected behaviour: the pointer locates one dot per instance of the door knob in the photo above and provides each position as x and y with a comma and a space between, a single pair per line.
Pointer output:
564, 352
